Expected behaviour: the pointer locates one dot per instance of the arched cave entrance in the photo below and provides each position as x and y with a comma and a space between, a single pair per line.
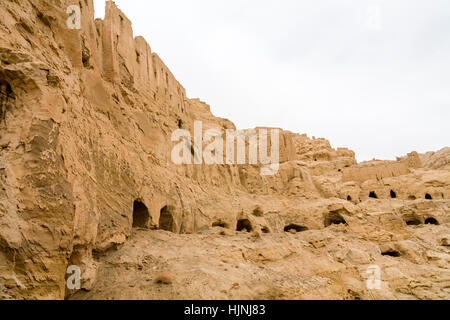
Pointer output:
373, 195
349, 198
244, 225
166, 219
428, 196
140, 215
334, 218
412, 221
393, 194
295, 228
431, 220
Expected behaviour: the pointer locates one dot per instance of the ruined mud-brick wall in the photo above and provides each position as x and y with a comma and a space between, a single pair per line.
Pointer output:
382, 169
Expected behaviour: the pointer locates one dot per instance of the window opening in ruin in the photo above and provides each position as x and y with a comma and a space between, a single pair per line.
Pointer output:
138, 57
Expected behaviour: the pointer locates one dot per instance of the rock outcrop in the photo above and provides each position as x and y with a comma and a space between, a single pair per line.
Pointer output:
86, 179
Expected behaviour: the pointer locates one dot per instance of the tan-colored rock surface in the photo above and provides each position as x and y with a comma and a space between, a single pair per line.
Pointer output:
86, 179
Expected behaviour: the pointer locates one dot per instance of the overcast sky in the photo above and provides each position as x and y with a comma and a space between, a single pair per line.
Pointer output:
373, 76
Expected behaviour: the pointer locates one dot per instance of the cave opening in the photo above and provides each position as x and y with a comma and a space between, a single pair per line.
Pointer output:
138, 57
373, 195
6, 95
412, 221
265, 230
220, 224
334, 218
85, 59
393, 194
244, 225
140, 215
431, 220
428, 196
295, 228
166, 220
258, 212
391, 253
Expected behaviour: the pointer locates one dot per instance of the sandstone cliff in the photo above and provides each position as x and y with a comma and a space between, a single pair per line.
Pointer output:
86, 179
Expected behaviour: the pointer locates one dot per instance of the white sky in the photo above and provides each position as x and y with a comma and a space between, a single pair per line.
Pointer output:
373, 76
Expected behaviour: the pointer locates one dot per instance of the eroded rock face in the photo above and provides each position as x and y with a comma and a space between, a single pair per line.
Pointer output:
86, 179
